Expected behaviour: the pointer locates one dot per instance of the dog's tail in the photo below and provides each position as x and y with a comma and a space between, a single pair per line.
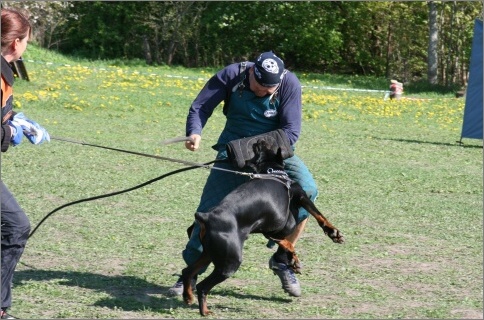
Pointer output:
200, 217
202, 221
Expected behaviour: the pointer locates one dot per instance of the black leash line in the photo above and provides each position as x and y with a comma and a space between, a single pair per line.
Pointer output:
114, 193
192, 165
187, 163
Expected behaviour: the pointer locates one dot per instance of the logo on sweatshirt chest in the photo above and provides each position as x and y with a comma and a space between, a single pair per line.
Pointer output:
270, 113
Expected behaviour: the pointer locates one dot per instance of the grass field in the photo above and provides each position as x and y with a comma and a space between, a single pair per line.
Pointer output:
391, 177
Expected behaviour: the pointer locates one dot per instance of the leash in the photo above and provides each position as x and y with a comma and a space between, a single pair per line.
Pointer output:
192, 165
187, 163
111, 194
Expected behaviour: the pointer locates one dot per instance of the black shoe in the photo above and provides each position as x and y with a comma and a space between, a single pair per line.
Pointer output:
289, 282
177, 288
5, 315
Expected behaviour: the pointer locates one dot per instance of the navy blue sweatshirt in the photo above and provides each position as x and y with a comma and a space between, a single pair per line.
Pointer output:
220, 87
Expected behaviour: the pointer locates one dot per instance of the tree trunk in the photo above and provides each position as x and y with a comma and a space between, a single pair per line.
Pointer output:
432, 61
389, 51
147, 51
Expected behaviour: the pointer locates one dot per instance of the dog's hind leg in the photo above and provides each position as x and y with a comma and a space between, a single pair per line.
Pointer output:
218, 275
190, 272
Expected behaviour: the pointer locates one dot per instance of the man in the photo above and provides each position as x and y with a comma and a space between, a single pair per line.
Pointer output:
258, 98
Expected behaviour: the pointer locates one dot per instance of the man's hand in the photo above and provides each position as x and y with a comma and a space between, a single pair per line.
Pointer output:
194, 144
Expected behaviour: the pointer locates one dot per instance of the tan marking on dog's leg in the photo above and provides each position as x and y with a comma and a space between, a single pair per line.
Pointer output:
202, 307
289, 247
188, 295
324, 223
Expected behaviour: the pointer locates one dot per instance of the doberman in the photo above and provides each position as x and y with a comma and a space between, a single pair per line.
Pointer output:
266, 204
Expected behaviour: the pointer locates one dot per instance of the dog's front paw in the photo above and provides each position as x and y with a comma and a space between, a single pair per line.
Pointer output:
295, 264
337, 236
333, 233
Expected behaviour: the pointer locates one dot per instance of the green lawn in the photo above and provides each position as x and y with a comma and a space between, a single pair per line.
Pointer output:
391, 177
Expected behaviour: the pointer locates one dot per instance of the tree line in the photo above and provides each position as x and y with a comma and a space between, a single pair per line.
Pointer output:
405, 40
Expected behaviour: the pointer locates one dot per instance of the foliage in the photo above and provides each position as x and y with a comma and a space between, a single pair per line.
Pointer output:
103, 30
385, 39
48, 17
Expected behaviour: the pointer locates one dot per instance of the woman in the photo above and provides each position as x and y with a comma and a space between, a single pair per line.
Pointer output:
15, 225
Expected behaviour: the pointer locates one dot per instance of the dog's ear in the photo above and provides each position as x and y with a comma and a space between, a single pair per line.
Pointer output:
256, 147
279, 158
261, 145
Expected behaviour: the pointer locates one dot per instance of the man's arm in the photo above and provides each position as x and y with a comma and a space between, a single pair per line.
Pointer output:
214, 92
291, 107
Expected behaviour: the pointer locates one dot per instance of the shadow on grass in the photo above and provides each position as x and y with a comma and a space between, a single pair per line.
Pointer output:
456, 144
127, 292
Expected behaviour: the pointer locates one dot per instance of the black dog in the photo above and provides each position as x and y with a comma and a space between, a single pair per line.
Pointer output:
266, 204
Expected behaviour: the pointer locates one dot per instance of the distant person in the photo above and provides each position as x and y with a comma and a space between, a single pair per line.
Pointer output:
15, 225
260, 97
396, 90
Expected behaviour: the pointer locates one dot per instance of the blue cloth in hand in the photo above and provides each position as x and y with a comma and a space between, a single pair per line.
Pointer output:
17, 133
31, 129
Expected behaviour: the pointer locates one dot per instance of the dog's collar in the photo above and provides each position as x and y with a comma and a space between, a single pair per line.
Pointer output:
276, 172
277, 175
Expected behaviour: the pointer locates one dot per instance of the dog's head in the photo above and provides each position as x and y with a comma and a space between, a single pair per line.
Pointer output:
265, 157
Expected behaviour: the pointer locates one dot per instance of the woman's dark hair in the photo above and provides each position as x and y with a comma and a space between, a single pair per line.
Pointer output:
14, 25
